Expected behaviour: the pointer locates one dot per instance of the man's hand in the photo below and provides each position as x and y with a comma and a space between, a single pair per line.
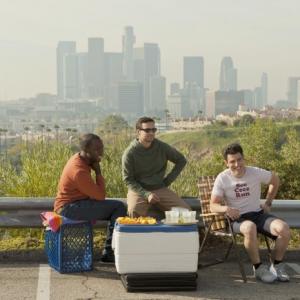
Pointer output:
266, 206
153, 198
232, 213
96, 167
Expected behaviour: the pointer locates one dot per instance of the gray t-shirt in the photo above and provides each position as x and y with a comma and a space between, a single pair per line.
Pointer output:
242, 193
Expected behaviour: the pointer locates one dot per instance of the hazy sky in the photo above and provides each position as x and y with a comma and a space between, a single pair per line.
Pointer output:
260, 36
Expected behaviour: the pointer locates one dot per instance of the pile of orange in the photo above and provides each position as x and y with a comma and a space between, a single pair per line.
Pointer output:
138, 221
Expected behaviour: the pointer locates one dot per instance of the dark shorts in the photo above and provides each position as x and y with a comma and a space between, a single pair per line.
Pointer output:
260, 219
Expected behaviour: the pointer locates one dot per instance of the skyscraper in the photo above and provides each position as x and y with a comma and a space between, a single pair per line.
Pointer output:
146, 65
258, 99
228, 75
294, 91
193, 86
157, 94
128, 41
130, 98
193, 70
112, 68
63, 48
96, 66
264, 88
151, 69
71, 90
174, 88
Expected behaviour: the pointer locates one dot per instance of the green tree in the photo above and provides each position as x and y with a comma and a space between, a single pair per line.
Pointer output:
261, 144
289, 167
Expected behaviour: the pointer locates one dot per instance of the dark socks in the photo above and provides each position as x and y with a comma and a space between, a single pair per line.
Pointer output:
256, 266
276, 262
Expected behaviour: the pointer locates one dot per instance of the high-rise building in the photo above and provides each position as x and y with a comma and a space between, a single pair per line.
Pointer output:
193, 70
112, 68
258, 99
113, 73
157, 94
83, 83
192, 97
96, 66
138, 65
174, 106
174, 88
130, 98
228, 75
71, 79
227, 102
264, 88
210, 104
128, 41
294, 91
151, 69
63, 48
248, 98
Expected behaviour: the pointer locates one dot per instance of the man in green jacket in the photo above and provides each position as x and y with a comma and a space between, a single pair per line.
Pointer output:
144, 165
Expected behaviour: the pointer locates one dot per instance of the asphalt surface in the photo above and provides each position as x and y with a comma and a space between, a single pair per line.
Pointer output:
32, 280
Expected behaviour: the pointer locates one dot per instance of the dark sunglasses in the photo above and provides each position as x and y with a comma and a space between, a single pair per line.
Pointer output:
149, 129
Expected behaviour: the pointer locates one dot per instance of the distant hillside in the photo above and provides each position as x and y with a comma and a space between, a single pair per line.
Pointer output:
203, 140
212, 137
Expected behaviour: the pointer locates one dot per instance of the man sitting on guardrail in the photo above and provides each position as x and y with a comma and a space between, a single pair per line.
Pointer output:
79, 197
240, 188
144, 165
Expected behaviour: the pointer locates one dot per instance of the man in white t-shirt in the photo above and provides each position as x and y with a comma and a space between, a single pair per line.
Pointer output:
239, 187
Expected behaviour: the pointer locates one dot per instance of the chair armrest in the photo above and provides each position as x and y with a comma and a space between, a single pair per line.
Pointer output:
209, 214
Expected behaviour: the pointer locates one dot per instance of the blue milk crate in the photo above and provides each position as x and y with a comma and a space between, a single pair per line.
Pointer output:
71, 248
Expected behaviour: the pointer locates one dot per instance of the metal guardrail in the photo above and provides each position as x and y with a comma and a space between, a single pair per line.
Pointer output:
24, 212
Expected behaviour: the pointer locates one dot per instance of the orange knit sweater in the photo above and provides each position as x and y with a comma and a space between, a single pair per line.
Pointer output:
76, 183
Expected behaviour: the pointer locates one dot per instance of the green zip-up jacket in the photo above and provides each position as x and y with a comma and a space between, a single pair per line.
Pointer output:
143, 169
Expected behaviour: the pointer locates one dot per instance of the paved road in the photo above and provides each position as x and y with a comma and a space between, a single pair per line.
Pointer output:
223, 281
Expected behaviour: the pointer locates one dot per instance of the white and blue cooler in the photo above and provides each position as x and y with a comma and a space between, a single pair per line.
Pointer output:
156, 248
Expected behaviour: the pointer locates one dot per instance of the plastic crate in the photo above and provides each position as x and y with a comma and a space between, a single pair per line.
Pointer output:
71, 248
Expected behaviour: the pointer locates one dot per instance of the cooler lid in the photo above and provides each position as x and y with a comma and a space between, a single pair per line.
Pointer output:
156, 228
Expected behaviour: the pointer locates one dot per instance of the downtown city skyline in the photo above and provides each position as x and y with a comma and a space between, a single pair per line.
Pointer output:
264, 41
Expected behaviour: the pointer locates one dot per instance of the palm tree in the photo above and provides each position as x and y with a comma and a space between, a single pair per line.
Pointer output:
26, 128
166, 117
42, 126
5, 141
56, 127
0, 139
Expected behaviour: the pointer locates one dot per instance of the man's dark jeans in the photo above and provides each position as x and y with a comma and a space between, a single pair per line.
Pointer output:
89, 210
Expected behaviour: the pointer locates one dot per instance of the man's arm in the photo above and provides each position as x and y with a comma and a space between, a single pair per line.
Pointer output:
128, 177
217, 207
179, 163
87, 186
272, 191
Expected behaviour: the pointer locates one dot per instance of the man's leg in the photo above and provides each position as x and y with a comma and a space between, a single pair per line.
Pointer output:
281, 230
169, 199
90, 210
248, 230
137, 205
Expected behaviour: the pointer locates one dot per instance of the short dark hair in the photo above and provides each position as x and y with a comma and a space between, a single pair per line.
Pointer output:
86, 140
142, 120
233, 149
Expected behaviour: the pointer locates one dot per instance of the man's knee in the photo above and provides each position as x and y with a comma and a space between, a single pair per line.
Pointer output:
280, 228
248, 229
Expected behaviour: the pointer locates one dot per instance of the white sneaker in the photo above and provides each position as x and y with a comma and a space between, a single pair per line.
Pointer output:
264, 274
280, 272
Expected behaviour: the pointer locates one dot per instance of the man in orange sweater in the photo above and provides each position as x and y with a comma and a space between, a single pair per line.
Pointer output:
79, 197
